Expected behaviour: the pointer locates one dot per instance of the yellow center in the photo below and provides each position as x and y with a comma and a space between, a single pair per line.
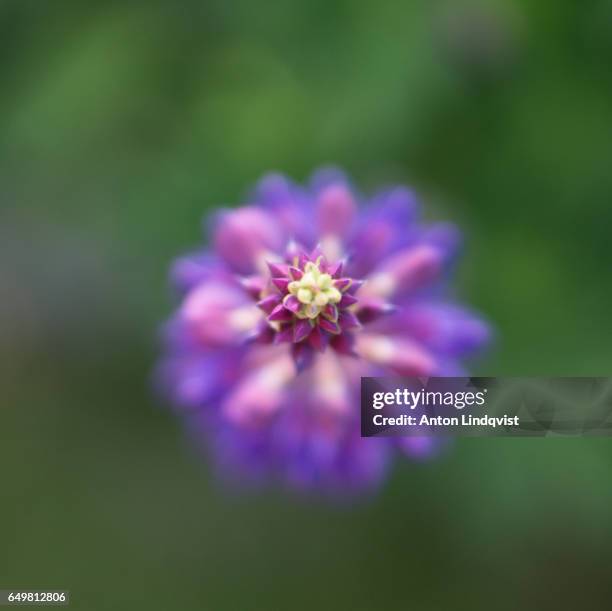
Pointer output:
314, 290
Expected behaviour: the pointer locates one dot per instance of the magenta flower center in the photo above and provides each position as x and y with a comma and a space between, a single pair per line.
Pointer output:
309, 295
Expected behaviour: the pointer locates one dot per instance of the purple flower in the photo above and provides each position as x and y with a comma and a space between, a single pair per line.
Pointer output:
301, 294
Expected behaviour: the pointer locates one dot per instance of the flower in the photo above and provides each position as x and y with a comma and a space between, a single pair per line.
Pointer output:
300, 296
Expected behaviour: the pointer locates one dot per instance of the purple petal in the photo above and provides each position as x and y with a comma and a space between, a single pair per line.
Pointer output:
261, 393
295, 273
386, 227
264, 334
194, 380
267, 304
303, 356
316, 252
354, 286
330, 312
243, 236
191, 269
317, 339
348, 320
335, 269
343, 284
292, 303
218, 313
253, 285
344, 344
336, 209
401, 355
282, 284
444, 327
407, 271
284, 335
329, 326
280, 314
289, 204
347, 300
301, 330
278, 270
372, 309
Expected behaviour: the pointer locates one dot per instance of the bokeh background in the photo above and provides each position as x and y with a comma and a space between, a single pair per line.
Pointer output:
122, 124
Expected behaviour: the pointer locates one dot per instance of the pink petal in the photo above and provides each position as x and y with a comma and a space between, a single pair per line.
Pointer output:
330, 388
409, 270
336, 209
261, 393
253, 285
243, 236
401, 355
218, 314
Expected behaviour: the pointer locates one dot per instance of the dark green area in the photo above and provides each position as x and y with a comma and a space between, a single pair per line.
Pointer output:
122, 123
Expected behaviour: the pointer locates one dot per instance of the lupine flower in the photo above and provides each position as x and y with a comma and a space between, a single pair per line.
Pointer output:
303, 292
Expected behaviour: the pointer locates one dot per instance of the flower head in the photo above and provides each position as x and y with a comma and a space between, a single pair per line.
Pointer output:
302, 294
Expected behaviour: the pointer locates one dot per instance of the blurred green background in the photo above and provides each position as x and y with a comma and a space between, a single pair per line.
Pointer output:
121, 124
